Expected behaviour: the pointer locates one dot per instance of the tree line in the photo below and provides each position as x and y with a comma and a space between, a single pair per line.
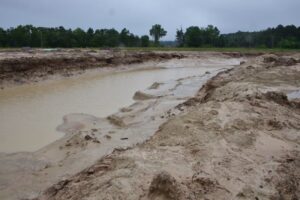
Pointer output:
30, 36
193, 36
279, 37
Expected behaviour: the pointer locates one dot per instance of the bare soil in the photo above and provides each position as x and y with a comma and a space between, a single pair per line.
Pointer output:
239, 138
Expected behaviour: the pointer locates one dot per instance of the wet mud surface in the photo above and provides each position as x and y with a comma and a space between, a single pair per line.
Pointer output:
230, 133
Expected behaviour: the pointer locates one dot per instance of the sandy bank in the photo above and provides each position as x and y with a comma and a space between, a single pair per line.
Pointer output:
20, 67
89, 138
238, 138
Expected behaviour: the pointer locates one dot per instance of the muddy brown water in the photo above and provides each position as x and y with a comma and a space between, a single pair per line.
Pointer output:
29, 114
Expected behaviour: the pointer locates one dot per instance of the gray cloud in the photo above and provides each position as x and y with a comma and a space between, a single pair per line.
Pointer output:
138, 16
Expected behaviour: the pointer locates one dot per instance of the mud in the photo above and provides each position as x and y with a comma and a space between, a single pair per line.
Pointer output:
143, 96
98, 92
155, 86
238, 138
89, 138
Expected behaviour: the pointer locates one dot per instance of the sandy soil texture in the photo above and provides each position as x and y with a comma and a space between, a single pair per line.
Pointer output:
89, 138
239, 138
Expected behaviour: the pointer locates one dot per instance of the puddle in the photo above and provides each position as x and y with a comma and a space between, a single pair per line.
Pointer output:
294, 95
30, 114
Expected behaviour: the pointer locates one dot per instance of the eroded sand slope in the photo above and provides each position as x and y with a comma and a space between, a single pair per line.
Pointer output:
88, 138
239, 138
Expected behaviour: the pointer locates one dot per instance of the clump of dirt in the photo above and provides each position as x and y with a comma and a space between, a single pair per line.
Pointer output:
142, 96
164, 186
115, 120
80, 141
155, 86
125, 109
278, 97
280, 60
281, 98
275, 124
288, 182
270, 58
52, 191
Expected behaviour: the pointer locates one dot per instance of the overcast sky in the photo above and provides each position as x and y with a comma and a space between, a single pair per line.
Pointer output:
139, 15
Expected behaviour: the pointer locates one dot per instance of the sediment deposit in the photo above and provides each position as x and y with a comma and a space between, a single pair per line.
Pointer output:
237, 138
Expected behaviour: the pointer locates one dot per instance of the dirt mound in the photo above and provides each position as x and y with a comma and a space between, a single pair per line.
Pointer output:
288, 186
165, 187
278, 97
115, 120
281, 98
155, 86
280, 60
270, 58
141, 96
52, 191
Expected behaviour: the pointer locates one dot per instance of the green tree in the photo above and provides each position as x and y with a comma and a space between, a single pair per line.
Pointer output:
134, 41
157, 32
211, 35
80, 37
180, 37
289, 43
20, 36
89, 37
193, 36
35, 39
111, 38
125, 37
145, 41
128, 39
3, 38
98, 39
28, 35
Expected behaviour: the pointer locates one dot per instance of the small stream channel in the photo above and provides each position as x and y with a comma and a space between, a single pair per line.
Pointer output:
29, 114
